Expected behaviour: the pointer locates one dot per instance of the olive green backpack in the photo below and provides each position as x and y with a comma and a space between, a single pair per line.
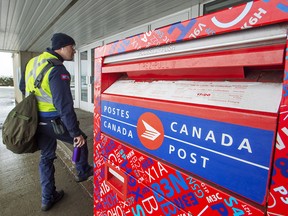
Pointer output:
19, 128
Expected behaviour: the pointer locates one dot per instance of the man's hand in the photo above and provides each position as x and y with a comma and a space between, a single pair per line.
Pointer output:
79, 141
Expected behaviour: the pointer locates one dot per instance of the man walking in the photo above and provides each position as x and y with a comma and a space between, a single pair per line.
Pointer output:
57, 118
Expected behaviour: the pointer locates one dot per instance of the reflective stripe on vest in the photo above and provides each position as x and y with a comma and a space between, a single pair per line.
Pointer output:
33, 71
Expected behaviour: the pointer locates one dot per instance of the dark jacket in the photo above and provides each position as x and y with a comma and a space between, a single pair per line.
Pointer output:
59, 82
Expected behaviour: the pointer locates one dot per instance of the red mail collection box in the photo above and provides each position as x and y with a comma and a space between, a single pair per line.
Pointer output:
189, 119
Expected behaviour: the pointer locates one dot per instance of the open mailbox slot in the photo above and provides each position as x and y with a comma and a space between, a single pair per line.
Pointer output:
117, 180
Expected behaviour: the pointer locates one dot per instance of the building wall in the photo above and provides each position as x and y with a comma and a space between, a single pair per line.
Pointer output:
20, 59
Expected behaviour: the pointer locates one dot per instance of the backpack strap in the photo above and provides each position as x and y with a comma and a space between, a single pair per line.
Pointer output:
55, 61
51, 63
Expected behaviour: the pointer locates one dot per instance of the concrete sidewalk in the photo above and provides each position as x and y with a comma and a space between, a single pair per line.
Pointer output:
20, 193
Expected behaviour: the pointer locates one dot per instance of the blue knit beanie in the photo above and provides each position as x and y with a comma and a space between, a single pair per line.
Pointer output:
60, 40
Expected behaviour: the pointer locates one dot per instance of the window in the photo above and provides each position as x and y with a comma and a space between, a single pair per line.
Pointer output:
83, 75
218, 5
70, 68
92, 75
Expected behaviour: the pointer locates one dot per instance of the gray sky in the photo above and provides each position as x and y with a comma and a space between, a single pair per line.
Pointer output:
6, 68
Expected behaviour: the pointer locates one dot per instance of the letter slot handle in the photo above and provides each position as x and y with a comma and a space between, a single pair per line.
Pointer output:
116, 180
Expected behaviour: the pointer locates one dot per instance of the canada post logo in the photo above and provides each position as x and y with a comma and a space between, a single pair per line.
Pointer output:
150, 131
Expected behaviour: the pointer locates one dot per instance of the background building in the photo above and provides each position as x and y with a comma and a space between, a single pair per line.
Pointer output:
27, 27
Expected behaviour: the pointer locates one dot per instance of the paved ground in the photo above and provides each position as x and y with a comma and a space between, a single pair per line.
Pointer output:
20, 187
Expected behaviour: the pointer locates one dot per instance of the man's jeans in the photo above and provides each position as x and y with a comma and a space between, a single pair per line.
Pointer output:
47, 142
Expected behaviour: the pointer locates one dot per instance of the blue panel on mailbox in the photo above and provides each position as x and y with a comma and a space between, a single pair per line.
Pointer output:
235, 157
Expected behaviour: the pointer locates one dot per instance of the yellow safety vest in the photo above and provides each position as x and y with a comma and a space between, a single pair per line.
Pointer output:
43, 94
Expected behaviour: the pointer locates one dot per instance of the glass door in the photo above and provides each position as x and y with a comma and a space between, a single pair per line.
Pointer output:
86, 81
